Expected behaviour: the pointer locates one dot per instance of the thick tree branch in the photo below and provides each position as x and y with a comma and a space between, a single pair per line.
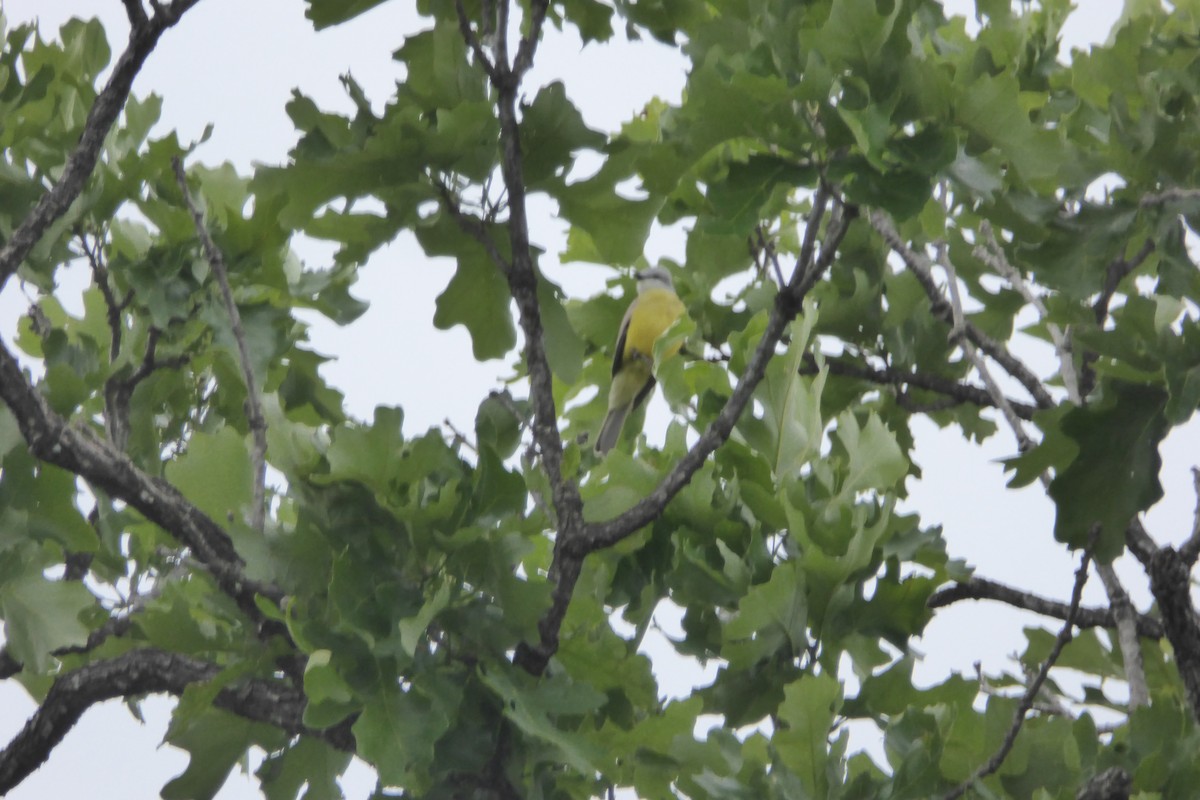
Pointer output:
984, 589
79, 451
1035, 686
150, 671
921, 267
254, 411
143, 36
522, 283
1170, 582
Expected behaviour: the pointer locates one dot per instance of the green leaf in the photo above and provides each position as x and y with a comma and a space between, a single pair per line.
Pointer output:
875, 459
396, 734
808, 711
769, 616
413, 628
792, 426
41, 616
1115, 475
214, 473
606, 228
326, 13
564, 347
477, 298
533, 711
497, 426
552, 131
310, 766
329, 696
216, 741
368, 453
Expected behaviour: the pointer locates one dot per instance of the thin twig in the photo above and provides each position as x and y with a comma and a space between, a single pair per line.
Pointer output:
472, 226
118, 391
95, 257
468, 35
762, 244
1035, 686
1116, 272
1127, 636
529, 42
1190, 549
921, 267
458, 437
254, 412
954, 391
993, 255
958, 334
1172, 195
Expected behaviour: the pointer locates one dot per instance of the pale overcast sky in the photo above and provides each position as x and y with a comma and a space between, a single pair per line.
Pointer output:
234, 63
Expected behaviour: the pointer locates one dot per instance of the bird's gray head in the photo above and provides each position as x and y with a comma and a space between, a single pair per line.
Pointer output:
654, 278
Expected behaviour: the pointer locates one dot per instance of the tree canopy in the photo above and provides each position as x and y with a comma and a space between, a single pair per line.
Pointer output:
881, 204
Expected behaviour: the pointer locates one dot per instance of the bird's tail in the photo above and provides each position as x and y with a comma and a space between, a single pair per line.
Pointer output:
610, 431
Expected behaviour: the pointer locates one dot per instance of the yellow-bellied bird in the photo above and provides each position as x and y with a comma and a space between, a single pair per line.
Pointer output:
655, 309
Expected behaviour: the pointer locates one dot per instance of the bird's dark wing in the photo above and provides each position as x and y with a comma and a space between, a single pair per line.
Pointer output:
644, 393
619, 353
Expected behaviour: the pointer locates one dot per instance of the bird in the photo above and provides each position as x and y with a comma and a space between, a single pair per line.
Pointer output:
655, 309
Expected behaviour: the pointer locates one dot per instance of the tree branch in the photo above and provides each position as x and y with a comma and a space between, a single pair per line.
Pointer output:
522, 283
921, 267
151, 671
958, 335
1127, 634
143, 36
81, 452
529, 42
890, 376
1170, 582
1139, 542
984, 589
993, 255
1010, 738
468, 35
1190, 549
254, 412
95, 258
1112, 784
1116, 272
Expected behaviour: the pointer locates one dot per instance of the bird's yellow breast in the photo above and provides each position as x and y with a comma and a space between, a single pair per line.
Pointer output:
654, 312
